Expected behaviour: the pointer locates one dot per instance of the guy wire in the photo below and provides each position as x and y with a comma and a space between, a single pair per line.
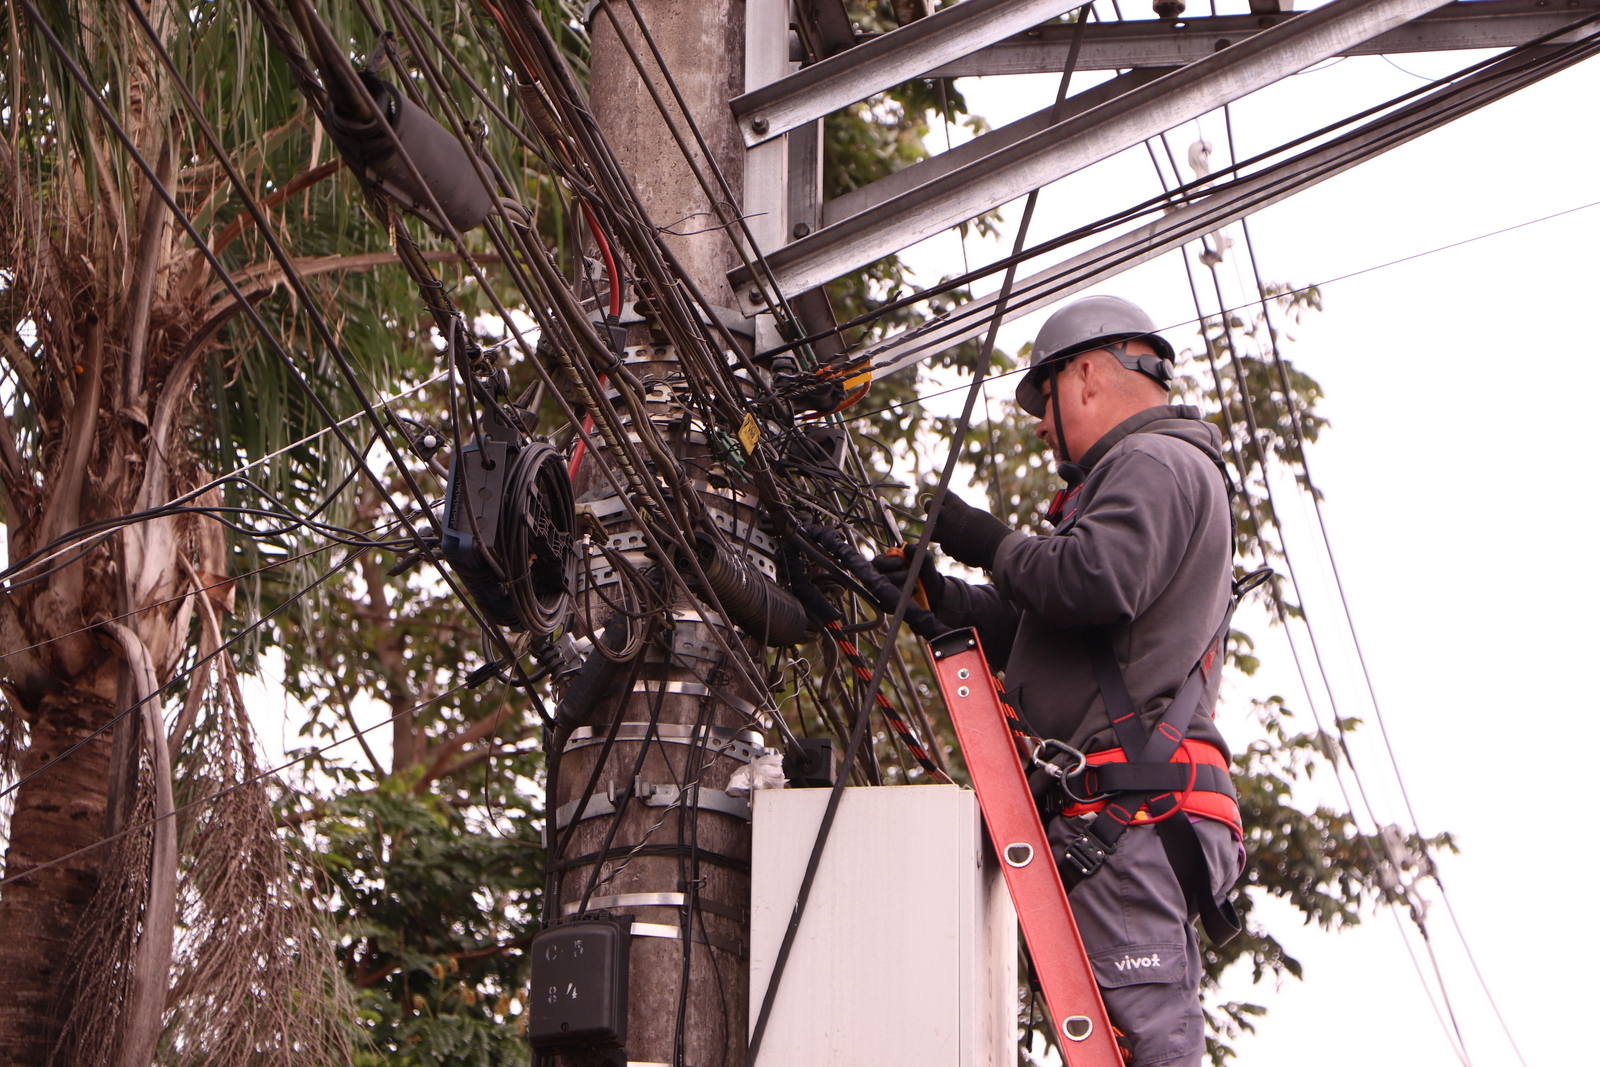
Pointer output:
1310, 489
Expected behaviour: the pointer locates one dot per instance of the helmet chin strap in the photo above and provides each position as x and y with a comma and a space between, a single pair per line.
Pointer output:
1066, 470
1151, 366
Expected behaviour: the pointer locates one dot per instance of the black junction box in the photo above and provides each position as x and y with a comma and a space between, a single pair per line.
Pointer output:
579, 993
811, 763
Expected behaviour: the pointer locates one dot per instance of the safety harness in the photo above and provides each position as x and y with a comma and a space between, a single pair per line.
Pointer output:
1070, 783
1159, 779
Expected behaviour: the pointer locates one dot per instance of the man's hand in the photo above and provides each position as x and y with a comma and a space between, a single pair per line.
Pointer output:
967, 534
892, 565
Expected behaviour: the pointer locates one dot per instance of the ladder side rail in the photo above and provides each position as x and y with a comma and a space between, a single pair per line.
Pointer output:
1070, 992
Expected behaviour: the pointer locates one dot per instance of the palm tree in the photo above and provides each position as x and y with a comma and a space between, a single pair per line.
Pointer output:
128, 380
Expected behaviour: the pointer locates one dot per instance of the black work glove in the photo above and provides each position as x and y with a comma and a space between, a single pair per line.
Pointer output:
892, 565
967, 534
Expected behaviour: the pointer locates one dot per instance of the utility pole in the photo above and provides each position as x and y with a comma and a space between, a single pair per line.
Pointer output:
677, 861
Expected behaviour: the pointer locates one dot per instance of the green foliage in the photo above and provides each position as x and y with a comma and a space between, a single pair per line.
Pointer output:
432, 904
1242, 345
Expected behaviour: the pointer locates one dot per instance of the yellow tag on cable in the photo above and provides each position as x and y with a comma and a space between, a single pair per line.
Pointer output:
749, 433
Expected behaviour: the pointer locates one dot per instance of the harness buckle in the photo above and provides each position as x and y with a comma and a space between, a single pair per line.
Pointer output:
1081, 857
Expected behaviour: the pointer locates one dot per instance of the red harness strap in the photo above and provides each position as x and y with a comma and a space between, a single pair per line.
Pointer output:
1202, 802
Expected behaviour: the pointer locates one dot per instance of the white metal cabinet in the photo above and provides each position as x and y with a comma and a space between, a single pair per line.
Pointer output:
906, 956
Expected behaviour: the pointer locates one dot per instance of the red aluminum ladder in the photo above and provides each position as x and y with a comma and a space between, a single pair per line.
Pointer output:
980, 718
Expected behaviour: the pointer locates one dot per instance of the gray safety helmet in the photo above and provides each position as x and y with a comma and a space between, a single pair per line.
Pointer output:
1087, 324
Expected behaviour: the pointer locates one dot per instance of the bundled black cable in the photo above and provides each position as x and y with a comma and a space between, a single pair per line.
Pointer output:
752, 600
597, 678
924, 623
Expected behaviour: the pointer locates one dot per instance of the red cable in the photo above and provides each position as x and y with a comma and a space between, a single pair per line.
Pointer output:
615, 312
613, 277
605, 254
898, 724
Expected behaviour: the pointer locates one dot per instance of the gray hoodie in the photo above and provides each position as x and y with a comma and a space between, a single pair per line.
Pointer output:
1148, 551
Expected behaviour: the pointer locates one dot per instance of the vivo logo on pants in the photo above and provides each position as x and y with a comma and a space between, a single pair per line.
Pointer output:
1128, 963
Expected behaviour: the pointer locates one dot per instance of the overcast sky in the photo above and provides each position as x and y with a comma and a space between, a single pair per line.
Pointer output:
1459, 483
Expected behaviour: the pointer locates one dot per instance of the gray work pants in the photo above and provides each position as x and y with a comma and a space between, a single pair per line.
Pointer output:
1141, 941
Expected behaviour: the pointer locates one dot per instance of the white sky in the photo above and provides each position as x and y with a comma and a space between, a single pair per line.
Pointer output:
1459, 492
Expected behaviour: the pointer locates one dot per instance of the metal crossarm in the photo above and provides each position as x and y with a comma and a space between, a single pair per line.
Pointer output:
1233, 201
987, 744
1169, 43
924, 171
1075, 143
883, 62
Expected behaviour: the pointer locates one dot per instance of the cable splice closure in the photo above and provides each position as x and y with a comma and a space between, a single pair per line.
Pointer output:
752, 601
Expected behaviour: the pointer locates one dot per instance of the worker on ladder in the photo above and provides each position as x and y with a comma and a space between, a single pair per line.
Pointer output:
1110, 634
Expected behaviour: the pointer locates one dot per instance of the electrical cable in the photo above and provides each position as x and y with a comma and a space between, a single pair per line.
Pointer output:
158, 512
291, 273
1455, 1040
620, 441
1246, 305
357, 386
87, 535
694, 769
1210, 184
179, 677
1293, 418
263, 227
296, 282
647, 529
775, 300
1254, 435
622, 806
224, 583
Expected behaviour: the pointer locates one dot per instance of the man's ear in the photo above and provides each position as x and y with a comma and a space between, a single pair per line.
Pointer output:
1091, 377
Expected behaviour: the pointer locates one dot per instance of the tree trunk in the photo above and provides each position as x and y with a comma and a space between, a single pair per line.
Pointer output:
57, 813
108, 443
